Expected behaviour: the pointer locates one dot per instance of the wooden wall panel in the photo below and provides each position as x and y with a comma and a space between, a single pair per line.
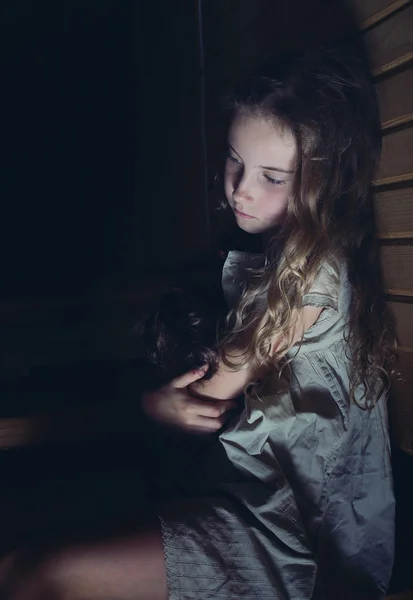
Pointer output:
368, 12
391, 40
398, 269
397, 154
396, 98
365, 9
403, 313
395, 213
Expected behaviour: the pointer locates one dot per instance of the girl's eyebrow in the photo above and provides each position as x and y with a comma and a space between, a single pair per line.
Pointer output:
234, 151
276, 169
266, 168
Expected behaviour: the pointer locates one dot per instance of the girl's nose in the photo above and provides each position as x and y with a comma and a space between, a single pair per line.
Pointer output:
242, 194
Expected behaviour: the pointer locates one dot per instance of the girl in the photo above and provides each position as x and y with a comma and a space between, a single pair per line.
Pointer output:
295, 500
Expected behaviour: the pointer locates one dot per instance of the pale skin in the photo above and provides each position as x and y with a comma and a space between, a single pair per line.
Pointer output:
258, 180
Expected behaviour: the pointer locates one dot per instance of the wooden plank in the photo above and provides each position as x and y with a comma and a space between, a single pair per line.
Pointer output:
403, 314
403, 62
397, 154
390, 40
397, 123
395, 101
398, 268
395, 213
407, 236
364, 10
392, 181
384, 13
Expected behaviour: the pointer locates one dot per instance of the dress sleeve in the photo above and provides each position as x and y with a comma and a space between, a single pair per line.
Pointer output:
326, 287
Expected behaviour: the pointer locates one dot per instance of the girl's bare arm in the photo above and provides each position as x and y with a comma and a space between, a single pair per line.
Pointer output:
227, 383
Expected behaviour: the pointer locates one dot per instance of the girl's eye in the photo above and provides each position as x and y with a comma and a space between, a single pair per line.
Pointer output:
233, 159
273, 181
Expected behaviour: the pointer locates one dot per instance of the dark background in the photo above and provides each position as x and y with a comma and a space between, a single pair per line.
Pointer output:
102, 187
102, 183
99, 99
102, 190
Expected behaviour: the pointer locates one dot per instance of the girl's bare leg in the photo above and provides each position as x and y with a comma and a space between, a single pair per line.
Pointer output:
124, 567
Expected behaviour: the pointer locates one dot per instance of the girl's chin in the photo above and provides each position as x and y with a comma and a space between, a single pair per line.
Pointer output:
252, 226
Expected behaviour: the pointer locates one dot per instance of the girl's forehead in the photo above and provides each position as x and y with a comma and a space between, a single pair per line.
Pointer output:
250, 134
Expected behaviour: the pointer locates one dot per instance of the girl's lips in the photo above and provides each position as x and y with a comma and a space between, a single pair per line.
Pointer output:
243, 215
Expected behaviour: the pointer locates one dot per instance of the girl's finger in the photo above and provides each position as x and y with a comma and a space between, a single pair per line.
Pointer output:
212, 410
184, 380
208, 424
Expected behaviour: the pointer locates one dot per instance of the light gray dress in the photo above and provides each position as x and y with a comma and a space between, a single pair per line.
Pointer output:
295, 500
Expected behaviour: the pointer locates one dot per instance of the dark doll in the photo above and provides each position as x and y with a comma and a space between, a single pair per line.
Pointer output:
182, 332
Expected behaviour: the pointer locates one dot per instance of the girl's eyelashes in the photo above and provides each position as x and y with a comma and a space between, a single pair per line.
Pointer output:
233, 158
273, 181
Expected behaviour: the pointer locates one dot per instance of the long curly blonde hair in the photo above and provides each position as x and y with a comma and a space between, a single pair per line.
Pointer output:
326, 97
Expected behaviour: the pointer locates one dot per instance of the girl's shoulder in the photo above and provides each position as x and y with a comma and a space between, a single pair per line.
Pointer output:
330, 281
330, 290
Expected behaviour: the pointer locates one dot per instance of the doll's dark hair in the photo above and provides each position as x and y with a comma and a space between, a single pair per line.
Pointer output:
182, 333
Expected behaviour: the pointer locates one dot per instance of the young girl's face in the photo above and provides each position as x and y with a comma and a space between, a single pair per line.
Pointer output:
258, 172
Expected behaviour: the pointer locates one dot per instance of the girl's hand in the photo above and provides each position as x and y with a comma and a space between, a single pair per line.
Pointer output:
174, 406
